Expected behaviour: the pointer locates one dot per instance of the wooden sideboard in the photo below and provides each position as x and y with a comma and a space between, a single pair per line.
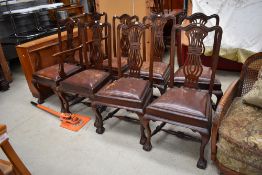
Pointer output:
48, 46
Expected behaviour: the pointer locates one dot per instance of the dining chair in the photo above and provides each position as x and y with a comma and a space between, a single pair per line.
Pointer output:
124, 46
66, 65
129, 92
204, 79
87, 82
187, 106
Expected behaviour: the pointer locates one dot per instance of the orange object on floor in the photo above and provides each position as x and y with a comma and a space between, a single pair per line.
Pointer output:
73, 122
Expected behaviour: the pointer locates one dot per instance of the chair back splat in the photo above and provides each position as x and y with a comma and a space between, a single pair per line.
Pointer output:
135, 35
193, 67
204, 79
196, 18
91, 18
95, 57
69, 24
158, 23
127, 20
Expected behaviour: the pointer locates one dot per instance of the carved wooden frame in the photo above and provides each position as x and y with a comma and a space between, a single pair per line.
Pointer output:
127, 20
136, 33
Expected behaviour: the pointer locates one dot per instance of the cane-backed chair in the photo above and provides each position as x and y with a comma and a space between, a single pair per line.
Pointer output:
204, 80
161, 69
131, 93
66, 62
187, 106
124, 46
86, 83
236, 128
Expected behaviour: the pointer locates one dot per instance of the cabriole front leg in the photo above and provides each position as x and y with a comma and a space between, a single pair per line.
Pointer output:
142, 130
147, 146
99, 120
202, 162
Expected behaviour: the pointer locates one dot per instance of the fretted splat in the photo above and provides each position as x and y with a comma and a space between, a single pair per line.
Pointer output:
158, 23
91, 18
96, 54
193, 65
124, 43
135, 33
69, 25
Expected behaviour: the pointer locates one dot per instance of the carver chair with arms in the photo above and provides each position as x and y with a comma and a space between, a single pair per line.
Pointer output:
187, 106
66, 62
86, 83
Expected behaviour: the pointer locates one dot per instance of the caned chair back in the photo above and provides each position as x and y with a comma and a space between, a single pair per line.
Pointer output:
249, 73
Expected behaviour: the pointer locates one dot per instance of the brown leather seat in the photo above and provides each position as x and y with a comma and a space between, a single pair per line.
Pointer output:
160, 70
204, 79
182, 102
129, 93
130, 88
85, 82
160, 74
50, 75
124, 64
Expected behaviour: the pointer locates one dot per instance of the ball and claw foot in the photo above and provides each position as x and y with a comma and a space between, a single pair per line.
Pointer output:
100, 130
202, 164
147, 147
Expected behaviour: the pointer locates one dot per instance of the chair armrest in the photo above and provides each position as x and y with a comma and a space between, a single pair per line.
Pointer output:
220, 113
67, 51
61, 55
